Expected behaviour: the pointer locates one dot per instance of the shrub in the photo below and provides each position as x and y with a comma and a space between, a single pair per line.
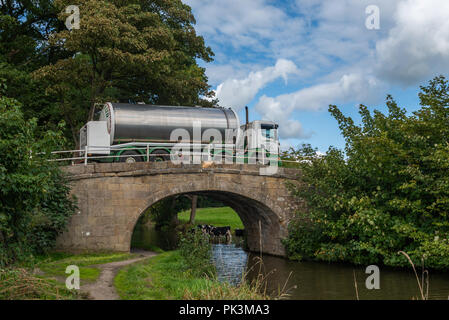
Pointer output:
34, 202
196, 251
388, 191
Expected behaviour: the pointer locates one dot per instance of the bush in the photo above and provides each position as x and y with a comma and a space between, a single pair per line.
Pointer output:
196, 250
34, 201
388, 191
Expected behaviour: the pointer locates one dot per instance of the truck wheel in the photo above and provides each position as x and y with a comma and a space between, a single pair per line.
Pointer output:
130, 157
159, 155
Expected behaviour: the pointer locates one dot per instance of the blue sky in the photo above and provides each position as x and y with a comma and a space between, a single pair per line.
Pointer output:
288, 60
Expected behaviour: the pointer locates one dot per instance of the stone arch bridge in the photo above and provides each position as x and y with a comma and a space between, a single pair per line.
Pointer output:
111, 198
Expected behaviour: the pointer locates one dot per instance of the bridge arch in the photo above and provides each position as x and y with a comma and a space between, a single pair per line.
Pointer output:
249, 209
112, 197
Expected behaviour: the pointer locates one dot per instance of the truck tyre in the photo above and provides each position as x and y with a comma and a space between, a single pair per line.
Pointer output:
159, 155
130, 156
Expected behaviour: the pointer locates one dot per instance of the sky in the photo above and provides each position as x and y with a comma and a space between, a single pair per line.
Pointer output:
289, 60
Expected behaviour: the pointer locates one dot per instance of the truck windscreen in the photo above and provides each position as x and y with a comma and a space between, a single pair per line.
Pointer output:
268, 131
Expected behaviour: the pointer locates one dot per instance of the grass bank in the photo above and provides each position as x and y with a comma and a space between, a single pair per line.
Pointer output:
168, 277
219, 217
20, 282
55, 264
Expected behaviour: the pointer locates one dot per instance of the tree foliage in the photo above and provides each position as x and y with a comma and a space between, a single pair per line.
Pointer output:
34, 202
25, 29
388, 190
138, 51
196, 250
125, 51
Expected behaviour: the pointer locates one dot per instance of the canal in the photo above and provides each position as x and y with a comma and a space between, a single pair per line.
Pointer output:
308, 280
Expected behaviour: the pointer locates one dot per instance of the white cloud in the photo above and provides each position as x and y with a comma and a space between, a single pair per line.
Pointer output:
233, 69
349, 88
340, 61
236, 93
289, 128
308, 32
242, 23
417, 48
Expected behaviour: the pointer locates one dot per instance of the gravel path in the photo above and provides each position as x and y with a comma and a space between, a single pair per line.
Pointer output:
103, 288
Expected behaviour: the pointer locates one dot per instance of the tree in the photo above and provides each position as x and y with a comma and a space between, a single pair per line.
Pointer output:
25, 28
127, 51
34, 201
164, 213
194, 199
388, 191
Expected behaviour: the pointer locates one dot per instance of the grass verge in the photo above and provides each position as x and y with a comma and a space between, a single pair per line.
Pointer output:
55, 264
167, 277
19, 282
219, 217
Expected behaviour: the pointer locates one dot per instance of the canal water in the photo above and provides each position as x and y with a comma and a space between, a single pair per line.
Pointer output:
311, 280
318, 281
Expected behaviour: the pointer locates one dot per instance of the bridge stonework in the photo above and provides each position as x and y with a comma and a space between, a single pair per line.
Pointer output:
111, 198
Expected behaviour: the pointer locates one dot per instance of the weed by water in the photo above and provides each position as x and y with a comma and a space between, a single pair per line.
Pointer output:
254, 289
21, 284
423, 285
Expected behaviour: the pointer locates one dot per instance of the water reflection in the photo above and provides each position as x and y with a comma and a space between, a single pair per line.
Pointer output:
230, 262
146, 237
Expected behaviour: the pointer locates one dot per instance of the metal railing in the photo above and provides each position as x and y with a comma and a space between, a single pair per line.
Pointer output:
204, 151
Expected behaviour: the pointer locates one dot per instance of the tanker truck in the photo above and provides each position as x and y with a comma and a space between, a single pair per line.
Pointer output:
124, 132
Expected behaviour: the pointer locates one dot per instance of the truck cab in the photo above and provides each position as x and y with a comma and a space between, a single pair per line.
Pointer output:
260, 135
94, 138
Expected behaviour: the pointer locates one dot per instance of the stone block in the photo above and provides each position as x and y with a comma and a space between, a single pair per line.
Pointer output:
111, 197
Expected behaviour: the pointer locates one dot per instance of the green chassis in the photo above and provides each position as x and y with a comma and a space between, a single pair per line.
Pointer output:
143, 152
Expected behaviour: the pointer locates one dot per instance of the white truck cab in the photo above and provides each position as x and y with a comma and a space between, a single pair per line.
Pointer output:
95, 137
260, 134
